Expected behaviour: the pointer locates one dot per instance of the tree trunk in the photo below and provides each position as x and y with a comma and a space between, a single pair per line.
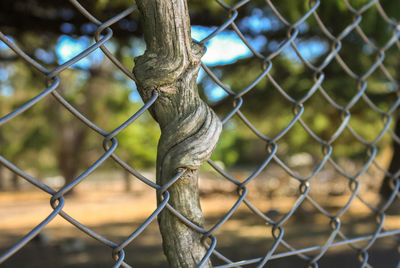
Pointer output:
2, 178
71, 152
73, 134
15, 182
386, 186
189, 128
127, 181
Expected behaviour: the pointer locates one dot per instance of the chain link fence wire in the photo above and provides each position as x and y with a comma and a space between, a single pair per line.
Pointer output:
313, 254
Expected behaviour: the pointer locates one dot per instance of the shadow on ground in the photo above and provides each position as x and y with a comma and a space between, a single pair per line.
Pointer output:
68, 247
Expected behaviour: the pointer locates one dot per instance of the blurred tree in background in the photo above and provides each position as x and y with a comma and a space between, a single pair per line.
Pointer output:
47, 136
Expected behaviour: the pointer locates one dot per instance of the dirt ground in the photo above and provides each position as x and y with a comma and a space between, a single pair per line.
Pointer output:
107, 208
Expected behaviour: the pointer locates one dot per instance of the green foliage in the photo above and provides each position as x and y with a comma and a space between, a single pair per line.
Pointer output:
138, 142
103, 96
227, 150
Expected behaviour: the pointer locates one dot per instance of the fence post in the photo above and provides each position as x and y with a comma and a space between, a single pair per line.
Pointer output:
189, 128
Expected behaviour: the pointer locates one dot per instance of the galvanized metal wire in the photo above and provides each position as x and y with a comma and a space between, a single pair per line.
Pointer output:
312, 255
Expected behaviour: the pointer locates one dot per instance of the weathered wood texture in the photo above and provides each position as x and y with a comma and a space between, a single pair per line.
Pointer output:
189, 128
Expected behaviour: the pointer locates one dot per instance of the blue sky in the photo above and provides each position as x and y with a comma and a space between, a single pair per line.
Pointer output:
224, 48
68, 47
6, 71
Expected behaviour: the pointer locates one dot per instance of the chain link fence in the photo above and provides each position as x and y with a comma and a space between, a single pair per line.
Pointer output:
311, 255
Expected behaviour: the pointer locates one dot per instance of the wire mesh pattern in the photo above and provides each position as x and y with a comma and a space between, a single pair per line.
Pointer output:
104, 33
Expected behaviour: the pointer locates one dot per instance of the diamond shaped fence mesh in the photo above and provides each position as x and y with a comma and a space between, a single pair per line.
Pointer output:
292, 49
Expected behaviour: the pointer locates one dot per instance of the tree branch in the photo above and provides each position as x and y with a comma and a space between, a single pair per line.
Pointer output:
189, 128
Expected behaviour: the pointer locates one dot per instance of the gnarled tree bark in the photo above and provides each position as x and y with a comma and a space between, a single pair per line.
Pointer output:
189, 128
